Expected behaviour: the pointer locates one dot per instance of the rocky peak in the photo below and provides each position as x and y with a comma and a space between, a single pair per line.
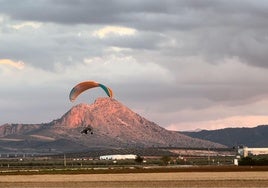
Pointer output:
85, 113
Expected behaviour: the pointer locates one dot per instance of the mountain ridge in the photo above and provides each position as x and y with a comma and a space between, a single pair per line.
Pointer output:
251, 137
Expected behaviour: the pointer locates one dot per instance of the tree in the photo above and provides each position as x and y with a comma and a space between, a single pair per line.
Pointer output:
139, 159
246, 161
166, 160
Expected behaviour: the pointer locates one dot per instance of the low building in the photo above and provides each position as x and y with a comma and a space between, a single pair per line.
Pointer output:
118, 157
245, 151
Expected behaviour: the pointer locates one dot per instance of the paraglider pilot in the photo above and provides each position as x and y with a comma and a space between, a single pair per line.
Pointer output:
86, 130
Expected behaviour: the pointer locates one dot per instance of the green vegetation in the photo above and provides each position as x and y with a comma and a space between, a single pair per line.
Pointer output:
59, 162
83, 165
254, 161
166, 160
66, 163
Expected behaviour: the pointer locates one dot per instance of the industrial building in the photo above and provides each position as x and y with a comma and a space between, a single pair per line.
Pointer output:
245, 151
118, 157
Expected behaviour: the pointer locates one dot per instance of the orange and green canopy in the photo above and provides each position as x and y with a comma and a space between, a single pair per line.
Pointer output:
83, 86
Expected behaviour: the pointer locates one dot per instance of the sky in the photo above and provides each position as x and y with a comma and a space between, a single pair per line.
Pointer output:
183, 64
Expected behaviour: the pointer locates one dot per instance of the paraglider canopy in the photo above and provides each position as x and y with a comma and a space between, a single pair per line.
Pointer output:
83, 86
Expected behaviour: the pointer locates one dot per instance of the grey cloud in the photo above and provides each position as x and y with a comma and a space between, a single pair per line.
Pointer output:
73, 12
214, 28
140, 41
45, 47
120, 11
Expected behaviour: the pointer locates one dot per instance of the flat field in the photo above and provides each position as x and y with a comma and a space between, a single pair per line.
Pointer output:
160, 179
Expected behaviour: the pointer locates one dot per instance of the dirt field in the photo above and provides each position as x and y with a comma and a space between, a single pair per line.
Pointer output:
168, 179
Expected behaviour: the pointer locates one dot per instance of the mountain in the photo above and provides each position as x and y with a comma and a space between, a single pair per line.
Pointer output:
114, 126
251, 137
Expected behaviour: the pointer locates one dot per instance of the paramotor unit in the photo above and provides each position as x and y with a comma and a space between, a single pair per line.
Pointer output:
87, 130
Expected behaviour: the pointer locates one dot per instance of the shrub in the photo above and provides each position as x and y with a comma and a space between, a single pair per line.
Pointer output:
139, 159
246, 161
254, 161
166, 160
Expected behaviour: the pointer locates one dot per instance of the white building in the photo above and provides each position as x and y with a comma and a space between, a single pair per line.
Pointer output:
118, 157
245, 151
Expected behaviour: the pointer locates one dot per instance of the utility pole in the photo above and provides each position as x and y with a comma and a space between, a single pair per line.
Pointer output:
208, 157
64, 160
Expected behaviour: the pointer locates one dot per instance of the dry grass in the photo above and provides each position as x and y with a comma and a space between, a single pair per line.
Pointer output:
170, 179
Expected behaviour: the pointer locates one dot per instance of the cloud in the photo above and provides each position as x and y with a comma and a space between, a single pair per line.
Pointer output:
233, 121
119, 67
8, 62
106, 31
34, 25
236, 30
